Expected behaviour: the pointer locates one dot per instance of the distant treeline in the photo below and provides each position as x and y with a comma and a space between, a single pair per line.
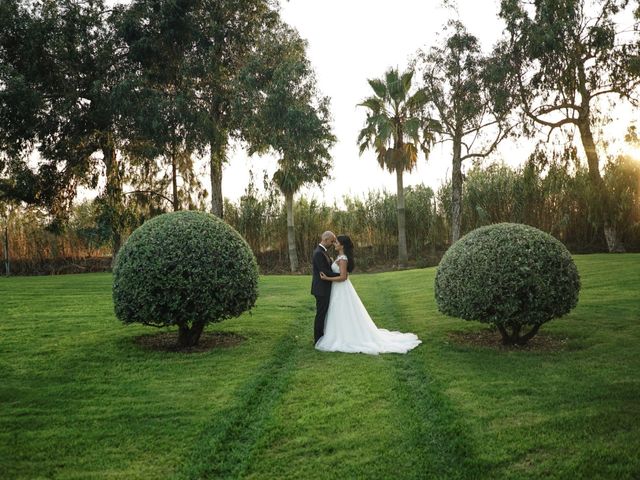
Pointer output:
553, 195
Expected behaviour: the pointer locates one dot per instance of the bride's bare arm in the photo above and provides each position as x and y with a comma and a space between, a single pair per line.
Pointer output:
342, 263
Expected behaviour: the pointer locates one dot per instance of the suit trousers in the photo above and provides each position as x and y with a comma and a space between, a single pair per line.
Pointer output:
322, 305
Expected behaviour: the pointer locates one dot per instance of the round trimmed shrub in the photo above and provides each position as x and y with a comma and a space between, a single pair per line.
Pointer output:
510, 275
187, 269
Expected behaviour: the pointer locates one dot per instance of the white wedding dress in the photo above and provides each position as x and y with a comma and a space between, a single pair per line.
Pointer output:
349, 328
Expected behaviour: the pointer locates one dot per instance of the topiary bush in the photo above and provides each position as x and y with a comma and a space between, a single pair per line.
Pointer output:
187, 269
510, 275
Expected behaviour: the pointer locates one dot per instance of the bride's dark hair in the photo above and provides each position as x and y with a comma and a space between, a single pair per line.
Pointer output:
348, 251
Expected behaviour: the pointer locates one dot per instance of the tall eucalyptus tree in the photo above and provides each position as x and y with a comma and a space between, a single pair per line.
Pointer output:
565, 58
165, 120
229, 32
471, 101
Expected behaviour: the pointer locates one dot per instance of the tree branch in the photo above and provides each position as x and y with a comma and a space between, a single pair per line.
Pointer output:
502, 133
149, 192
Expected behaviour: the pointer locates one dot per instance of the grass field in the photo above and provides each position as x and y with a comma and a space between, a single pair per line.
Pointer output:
80, 400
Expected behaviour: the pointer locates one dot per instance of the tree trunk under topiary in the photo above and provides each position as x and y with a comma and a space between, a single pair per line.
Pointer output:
189, 337
514, 336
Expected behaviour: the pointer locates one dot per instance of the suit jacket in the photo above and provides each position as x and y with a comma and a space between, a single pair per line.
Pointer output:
321, 263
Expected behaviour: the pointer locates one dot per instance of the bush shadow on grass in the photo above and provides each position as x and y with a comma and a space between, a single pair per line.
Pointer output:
168, 342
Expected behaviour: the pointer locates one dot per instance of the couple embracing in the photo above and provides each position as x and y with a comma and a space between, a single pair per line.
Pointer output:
342, 323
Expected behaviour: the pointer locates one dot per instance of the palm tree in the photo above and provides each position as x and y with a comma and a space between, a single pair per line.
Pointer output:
395, 128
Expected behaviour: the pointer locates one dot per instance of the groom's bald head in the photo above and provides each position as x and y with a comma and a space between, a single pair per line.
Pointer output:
327, 238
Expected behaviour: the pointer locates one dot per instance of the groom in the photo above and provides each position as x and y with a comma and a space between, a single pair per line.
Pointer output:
321, 288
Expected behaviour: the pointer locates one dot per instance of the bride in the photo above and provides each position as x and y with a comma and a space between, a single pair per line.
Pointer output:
348, 326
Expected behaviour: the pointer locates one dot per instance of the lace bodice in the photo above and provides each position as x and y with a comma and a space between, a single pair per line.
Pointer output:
334, 266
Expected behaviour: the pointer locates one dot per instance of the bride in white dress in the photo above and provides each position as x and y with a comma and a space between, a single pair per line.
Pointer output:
348, 326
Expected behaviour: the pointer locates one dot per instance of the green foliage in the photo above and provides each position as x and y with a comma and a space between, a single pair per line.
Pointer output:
44, 48
285, 113
550, 192
622, 179
396, 127
153, 82
491, 195
184, 268
94, 234
258, 218
508, 275
565, 58
470, 99
282, 110
166, 121
230, 35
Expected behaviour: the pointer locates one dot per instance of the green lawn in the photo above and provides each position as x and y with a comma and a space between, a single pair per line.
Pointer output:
78, 399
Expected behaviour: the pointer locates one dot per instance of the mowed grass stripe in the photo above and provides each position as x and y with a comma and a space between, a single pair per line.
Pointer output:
335, 421
338, 419
226, 445
436, 444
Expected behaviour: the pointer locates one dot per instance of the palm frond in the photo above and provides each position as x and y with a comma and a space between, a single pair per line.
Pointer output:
405, 81
395, 120
412, 127
385, 129
429, 136
379, 87
394, 86
388, 160
433, 125
372, 103
409, 157
364, 134
392, 78
381, 152
416, 101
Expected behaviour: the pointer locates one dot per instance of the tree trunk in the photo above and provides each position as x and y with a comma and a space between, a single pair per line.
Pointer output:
218, 153
189, 337
5, 244
291, 234
611, 235
402, 222
614, 244
514, 338
174, 181
456, 189
114, 196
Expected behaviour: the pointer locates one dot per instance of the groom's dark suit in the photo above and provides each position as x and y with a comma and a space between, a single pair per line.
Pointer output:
321, 288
